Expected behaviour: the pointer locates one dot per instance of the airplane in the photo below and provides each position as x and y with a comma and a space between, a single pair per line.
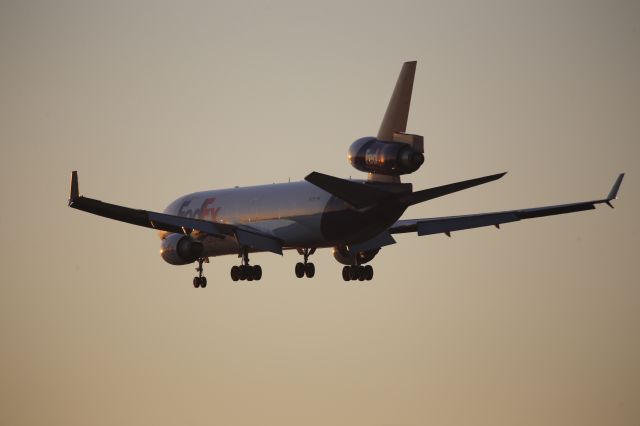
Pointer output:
357, 218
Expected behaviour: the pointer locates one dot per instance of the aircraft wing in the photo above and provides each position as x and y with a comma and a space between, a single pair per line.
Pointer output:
449, 224
245, 236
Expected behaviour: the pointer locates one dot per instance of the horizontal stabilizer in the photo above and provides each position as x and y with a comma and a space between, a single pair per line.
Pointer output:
439, 191
358, 194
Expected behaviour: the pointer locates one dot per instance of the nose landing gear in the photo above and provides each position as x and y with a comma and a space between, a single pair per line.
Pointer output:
305, 268
200, 281
244, 271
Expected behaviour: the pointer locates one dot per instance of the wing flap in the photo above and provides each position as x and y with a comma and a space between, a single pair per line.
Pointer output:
258, 241
447, 225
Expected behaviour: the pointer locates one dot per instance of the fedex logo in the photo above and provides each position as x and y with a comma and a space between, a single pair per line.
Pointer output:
371, 156
206, 210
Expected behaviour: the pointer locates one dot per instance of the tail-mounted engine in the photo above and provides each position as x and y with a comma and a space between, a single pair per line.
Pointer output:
403, 155
178, 249
393, 152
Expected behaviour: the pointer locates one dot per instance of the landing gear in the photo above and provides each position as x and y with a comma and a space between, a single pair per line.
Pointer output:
200, 281
305, 268
357, 272
244, 271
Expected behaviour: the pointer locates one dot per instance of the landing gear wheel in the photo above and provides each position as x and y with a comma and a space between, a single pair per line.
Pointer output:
346, 273
361, 273
248, 272
305, 268
235, 273
309, 270
257, 272
368, 272
242, 273
200, 281
353, 273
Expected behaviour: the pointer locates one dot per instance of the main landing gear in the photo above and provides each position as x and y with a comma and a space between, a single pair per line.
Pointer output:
245, 271
357, 272
200, 281
305, 268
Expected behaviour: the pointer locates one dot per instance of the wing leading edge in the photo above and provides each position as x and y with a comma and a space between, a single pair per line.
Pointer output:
449, 224
245, 236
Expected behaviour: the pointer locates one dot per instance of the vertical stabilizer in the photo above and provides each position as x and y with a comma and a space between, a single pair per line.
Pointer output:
395, 118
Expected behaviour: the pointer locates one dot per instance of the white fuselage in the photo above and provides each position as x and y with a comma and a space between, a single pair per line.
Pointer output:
291, 212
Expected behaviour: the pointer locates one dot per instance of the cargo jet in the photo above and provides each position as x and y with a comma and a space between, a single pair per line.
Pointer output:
354, 217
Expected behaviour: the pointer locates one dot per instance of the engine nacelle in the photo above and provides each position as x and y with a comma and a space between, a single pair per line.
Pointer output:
342, 255
178, 249
387, 158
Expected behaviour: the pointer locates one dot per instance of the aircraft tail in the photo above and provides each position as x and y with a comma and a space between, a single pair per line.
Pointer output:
395, 118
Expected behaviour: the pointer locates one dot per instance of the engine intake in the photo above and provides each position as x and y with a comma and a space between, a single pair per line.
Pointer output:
178, 249
388, 158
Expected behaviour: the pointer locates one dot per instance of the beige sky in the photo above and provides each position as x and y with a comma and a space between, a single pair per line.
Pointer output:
535, 324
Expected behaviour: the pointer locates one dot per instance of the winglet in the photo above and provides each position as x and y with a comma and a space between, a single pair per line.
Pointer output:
75, 192
614, 189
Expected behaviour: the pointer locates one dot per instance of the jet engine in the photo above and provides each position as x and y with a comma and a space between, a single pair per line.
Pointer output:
342, 255
178, 249
394, 158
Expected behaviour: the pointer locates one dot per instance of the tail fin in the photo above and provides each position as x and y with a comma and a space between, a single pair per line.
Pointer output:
395, 118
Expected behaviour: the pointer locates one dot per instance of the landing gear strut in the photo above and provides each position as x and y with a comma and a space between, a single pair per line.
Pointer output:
245, 271
305, 268
357, 272
200, 281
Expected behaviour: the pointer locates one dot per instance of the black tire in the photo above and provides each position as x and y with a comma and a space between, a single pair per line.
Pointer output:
196, 282
353, 273
361, 273
203, 282
368, 272
346, 273
257, 272
248, 272
300, 269
242, 272
310, 270
235, 273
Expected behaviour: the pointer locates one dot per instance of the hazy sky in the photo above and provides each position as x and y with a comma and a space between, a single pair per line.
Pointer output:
535, 324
